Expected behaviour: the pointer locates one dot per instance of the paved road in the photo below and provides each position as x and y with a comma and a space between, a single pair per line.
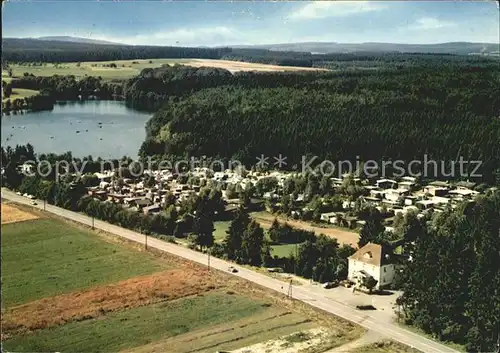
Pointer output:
369, 320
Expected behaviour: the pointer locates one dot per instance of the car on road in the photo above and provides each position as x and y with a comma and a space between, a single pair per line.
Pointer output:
25, 195
328, 285
232, 269
365, 307
18, 193
34, 203
275, 270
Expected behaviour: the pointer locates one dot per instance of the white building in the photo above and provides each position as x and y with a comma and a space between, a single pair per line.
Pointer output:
373, 260
325, 217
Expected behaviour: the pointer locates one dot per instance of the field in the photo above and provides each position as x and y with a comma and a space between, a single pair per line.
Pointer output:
67, 288
20, 93
128, 68
284, 250
265, 219
220, 230
12, 214
43, 257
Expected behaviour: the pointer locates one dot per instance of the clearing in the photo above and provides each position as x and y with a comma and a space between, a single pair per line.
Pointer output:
129, 68
265, 219
220, 230
20, 93
284, 250
11, 214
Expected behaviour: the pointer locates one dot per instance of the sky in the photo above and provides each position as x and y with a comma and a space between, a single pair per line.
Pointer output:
217, 23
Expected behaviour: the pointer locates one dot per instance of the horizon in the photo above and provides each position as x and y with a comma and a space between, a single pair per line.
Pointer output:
256, 23
49, 38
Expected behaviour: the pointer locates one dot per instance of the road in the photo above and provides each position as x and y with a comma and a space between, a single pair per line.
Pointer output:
369, 320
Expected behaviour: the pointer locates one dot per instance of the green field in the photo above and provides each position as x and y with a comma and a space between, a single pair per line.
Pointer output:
284, 250
139, 326
46, 257
20, 93
220, 230
125, 68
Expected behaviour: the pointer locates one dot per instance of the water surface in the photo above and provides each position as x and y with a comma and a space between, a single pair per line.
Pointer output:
108, 129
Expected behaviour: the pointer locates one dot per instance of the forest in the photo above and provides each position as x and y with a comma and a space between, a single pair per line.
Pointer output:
391, 114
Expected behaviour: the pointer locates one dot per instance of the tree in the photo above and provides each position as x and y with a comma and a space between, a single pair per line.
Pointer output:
178, 230
288, 186
370, 232
275, 232
7, 90
231, 191
369, 283
234, 235
325, 185
203, 228
252, 244
169, 200
149, 181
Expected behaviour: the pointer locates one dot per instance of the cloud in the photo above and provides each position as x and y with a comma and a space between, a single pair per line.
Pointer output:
429, 23
324, 9
184, 37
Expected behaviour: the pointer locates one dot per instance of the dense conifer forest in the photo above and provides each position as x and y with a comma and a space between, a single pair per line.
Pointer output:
444, 113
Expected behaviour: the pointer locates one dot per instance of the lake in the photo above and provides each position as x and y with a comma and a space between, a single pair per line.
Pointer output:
108, 129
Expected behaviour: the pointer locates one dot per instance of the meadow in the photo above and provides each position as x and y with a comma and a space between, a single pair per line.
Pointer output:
20, 93
45, 257
126, 69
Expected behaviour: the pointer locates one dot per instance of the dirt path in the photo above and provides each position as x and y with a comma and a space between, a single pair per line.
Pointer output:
342, 236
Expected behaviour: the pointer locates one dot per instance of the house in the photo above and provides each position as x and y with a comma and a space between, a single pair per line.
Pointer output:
103, 177
409, 178
143, 202
151, 209
463, 192
373, 260
325, 217
386, 183
465, 184
100, 194
436, 190
379, 194
395, 194
408, 185
407, 209
410, 200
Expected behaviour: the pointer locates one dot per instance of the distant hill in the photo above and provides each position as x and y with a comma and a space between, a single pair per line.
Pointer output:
460, 48
74, 40
65, 49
